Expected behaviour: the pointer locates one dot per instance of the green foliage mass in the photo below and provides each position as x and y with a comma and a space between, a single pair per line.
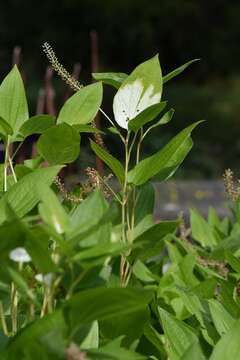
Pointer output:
85, 277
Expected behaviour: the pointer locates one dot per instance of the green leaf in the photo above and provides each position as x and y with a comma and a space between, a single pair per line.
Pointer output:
5, 128
101, 250
91, 341
82, 107
164, 119
51, 209
104, 303
141, 89
34, 331
146, 116
113, 163
145, 196
150, 241
180, 336
141, 271
126, 324
201, 230
60, 144
22, 196
222, 320
36, 125
87, 129
194, 351
37, 245
178, 71
110, 78
233, 261
114, 351
165, 162
87, 215
228, 347
13, 103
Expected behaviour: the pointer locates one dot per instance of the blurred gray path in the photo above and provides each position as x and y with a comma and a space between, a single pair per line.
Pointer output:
173, 197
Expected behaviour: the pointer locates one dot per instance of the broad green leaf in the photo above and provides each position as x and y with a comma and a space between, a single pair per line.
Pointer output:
87, 215
141, 271
201, 230
34, 332
104, 303
91, 341
111, 78
178, 71
226, 297
194, 351
222, 320
155, 338
233, 261
13, 103
228, 347
180, 336
82, 107
150, 241
59, 144
36, 125
145, 199
5, 128
101, 250
51, 210
33, 163
37, 245
141, 89
22, 196
147, 115
165, 162
126, 324
113, 163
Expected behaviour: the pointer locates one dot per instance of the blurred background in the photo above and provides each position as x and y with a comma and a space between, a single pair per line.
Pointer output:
118, 35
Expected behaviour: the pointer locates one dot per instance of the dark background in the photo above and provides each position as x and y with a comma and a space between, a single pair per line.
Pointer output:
130, 32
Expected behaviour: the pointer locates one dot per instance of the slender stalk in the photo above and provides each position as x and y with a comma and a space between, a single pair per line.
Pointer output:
3, 320
6, 164
75, 283
14, 308
110, 189
12, 169
124, 208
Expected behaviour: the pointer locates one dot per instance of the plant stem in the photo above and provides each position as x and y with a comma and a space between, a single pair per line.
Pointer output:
124, 208
109, 188
14, 307
3, 321
6, 164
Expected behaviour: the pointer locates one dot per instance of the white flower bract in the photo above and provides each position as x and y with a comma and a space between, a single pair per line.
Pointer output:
131, 100
20, 255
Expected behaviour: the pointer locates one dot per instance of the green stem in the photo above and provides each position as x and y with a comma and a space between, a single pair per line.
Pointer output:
110, 189
6, 164
3, 320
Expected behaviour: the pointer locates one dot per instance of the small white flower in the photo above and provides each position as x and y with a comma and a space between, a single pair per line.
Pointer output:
45, 279
20, 255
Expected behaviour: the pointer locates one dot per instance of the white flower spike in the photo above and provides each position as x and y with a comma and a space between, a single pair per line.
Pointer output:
20, 255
